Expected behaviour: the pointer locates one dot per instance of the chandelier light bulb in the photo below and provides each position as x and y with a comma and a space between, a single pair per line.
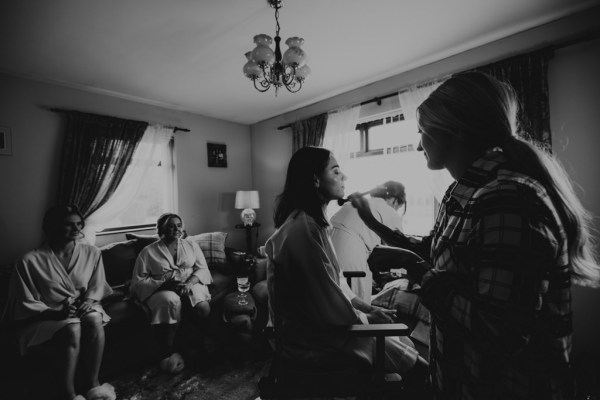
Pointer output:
262, 53
303, 72
251, 69
294, 56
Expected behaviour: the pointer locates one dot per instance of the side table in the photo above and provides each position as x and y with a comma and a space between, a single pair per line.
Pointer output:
240, 317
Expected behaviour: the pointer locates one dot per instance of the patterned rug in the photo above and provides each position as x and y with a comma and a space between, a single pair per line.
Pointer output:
232, 374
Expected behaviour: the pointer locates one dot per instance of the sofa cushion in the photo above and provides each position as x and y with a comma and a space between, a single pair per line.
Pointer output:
119, 259
212, 245
141, 240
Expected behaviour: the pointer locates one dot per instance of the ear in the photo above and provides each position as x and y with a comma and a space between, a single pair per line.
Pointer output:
316, 181
391, 201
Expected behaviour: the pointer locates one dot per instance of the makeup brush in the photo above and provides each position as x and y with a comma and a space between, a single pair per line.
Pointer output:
376, 189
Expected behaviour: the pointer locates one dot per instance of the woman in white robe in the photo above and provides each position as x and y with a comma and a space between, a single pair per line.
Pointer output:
303, 274
354, 241
54, 298
169, 274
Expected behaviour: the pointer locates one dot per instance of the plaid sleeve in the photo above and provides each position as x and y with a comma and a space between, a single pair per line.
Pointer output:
508, 257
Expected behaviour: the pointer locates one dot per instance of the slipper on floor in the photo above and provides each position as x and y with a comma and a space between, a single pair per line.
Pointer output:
106, 391
172, 364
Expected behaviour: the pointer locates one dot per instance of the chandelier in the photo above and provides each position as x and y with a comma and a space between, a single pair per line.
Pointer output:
267, 68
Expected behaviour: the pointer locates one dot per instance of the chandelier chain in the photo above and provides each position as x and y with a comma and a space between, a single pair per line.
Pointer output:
277, 27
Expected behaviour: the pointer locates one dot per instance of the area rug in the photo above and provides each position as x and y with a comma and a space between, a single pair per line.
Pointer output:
231, 375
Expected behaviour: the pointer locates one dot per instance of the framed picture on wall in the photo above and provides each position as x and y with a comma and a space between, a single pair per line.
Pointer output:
217, 155
5, 141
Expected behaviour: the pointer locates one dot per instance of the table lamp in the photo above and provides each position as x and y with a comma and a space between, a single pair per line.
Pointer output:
247, 201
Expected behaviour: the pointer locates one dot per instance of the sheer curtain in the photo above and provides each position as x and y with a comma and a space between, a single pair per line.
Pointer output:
147, 154
410, 99
340, 125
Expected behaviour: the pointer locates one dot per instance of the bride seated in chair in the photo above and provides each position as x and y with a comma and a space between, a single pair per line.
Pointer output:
304, 282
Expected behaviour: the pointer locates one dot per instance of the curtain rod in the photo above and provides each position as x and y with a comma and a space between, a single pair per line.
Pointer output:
373, 100
175, 128
558, 45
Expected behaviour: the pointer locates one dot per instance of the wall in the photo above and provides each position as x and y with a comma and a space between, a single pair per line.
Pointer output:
29, 177
574, 87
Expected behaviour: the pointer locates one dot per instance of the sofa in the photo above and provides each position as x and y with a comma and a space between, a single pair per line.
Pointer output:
129, 339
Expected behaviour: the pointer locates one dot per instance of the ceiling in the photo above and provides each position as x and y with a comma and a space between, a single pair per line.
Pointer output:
188, 54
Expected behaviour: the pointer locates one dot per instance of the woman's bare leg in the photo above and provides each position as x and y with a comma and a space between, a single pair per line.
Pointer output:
67, 352
92, 348
202, 310
165, 336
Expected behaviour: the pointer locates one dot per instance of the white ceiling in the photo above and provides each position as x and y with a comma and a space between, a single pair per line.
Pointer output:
188, 54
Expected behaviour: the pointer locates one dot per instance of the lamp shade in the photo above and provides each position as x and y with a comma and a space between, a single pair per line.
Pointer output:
246, 199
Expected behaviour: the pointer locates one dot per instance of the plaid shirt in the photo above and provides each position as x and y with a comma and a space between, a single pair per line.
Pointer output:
499, 292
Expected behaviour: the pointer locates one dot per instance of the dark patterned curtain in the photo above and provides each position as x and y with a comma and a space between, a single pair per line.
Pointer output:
309, 132
528, 75
96, 152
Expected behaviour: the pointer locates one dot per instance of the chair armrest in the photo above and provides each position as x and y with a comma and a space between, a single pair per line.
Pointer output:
123, 286
353, 274
375, 330
358, 330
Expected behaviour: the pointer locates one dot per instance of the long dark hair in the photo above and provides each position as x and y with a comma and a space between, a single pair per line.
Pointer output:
481, 112
299, 191
54, 217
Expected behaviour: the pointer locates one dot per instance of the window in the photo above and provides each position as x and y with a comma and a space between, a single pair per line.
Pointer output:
148, 188
385, 148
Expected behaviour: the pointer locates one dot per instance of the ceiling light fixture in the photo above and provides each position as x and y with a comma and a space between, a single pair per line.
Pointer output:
267, 68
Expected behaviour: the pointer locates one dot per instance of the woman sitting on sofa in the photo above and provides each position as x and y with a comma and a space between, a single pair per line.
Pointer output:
54, 299
169, 274
354, 241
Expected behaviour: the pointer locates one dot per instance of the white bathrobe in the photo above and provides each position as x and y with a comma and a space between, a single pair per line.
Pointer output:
312, 295
40, 282
154, 264
354, 241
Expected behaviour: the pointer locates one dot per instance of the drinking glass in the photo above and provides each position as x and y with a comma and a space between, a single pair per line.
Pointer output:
243, 286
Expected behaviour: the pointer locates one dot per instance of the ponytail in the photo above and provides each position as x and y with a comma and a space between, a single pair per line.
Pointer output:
537, 162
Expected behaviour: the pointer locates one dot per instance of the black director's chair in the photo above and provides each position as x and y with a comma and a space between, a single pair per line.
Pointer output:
337, 376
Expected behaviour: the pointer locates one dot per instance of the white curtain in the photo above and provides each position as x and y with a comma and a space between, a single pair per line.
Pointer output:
410, 99
340, 124
148, 153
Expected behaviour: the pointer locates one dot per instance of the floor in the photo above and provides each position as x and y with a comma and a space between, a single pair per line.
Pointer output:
230, 371
233, 374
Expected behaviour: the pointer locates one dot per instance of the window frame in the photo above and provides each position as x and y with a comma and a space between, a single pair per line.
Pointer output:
147, 226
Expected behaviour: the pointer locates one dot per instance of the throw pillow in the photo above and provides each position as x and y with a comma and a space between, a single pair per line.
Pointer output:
119, 259
141, 240
212, 245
